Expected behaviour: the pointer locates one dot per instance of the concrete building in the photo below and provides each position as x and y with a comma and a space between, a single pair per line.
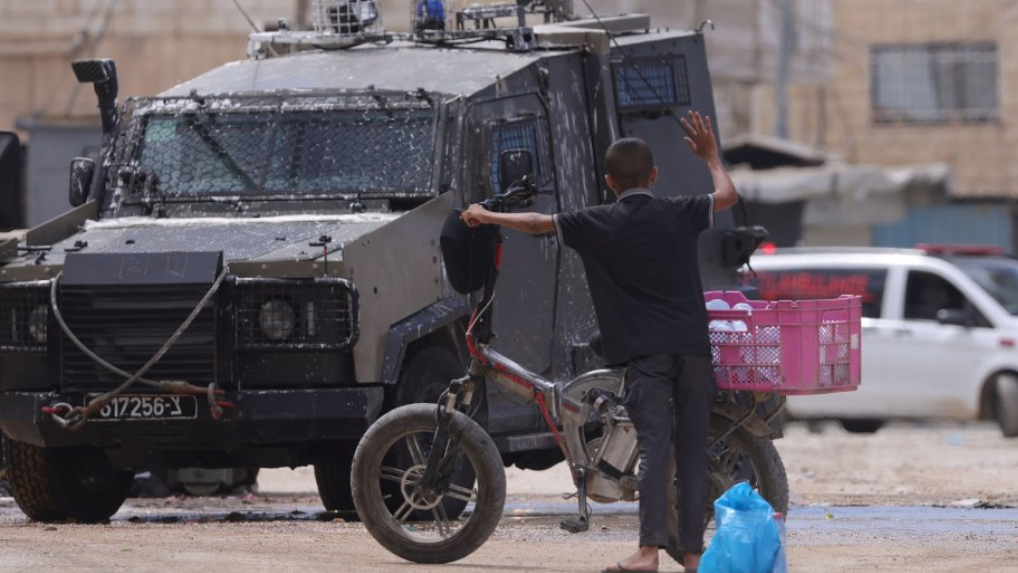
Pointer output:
920, 81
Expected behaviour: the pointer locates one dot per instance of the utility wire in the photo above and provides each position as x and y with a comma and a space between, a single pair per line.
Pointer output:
247, 16
636, 68
254, 26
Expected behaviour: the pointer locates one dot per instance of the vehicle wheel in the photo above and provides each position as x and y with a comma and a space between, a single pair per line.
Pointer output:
739, 457
861, 425
28, 477
1005, 404
423, 379
379, 474
51, 484
333, 479
426, 374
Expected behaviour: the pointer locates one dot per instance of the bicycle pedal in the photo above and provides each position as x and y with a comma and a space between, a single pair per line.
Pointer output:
577, 525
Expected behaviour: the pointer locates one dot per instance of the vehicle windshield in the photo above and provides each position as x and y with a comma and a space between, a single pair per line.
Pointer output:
289, 150
997, 276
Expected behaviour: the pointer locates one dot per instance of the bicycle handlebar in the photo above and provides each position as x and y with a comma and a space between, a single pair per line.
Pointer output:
519, 195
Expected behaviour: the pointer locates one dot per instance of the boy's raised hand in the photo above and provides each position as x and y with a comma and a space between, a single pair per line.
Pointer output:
700, 138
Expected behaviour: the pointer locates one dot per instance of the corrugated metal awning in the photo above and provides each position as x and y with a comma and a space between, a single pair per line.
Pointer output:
843, 182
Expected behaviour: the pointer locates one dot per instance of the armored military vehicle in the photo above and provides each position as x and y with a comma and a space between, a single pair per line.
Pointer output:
251, 274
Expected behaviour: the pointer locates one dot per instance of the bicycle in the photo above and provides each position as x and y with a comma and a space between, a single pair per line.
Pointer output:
419, 467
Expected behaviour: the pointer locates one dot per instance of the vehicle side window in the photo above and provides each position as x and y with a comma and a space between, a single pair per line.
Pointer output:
928, 293
527, 133
799, 284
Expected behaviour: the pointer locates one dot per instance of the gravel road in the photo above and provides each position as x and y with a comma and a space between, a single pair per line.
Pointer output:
907, 499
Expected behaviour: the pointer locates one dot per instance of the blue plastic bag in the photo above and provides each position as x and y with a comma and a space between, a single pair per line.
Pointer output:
747, 539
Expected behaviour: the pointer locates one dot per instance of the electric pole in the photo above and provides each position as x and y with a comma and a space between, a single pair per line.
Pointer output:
785, 47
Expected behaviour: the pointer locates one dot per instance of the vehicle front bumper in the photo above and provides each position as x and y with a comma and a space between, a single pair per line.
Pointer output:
263, 417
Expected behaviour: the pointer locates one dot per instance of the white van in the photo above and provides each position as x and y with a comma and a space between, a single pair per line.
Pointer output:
940, 330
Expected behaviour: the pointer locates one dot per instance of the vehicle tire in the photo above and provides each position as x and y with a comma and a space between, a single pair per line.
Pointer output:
861, 425
333, 479
424, 377
449, 539
52, 484
1005, 404
28, 477
739, 457
426, 374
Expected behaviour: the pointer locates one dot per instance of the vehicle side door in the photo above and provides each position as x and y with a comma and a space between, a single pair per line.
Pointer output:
525, 298
933, 362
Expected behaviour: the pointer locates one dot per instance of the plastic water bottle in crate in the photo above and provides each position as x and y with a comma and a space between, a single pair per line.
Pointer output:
785, 346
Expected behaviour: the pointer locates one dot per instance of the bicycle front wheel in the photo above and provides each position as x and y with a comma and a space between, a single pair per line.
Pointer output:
387, 469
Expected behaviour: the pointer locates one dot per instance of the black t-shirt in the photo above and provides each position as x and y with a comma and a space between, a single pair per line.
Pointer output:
640, 256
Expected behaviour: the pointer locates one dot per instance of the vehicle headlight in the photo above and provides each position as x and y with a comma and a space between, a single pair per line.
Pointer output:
278, 319
37, 322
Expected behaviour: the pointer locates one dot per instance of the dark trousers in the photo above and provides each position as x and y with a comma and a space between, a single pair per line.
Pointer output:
657, 387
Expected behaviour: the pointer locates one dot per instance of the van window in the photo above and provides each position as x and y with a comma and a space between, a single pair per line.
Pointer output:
997, 276
815, 283
927, 293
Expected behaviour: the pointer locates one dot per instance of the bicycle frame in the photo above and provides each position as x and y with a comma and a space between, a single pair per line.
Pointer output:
487, 363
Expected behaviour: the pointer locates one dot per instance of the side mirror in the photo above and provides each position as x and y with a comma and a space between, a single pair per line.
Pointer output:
739, 243
82, 172
956, 317
10, 181
513, 165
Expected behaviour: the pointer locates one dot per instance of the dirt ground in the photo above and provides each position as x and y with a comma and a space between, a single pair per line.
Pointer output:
907, 499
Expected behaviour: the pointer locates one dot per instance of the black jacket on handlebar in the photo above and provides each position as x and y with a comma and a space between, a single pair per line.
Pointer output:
467, 252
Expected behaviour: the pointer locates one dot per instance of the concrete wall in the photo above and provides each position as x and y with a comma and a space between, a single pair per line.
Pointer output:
156, 44
839, 115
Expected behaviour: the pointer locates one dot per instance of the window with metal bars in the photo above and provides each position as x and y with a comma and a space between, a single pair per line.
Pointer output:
933, 83
648, 83
527, 133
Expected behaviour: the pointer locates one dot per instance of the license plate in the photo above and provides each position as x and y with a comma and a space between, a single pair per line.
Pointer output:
148, 407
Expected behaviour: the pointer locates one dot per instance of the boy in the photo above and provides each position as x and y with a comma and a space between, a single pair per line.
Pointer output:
640, 258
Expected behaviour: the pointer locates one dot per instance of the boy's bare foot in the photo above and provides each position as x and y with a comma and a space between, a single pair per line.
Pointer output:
645, 559
690, 561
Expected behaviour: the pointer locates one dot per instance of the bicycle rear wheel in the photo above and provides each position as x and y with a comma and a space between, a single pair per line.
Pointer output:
387, 470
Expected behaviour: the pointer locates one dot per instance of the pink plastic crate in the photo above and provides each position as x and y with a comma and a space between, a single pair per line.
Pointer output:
786, 346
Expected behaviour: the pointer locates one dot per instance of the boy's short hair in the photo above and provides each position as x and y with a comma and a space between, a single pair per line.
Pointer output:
630, 162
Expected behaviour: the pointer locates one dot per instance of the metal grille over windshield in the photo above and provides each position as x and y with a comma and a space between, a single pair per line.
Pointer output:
288, 145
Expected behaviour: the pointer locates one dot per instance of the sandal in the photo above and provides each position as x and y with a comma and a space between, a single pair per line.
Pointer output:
621, 568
